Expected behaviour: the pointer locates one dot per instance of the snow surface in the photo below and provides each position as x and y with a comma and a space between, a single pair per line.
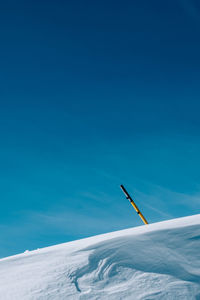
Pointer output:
157, 261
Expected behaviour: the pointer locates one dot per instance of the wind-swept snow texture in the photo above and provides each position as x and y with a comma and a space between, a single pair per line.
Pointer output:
158, 261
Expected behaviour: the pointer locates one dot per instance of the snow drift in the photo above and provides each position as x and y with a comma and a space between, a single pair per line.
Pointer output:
157, 261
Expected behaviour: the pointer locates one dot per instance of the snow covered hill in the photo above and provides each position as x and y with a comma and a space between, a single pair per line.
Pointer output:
158, 261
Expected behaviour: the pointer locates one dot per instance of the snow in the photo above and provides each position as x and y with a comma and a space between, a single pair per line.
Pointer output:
157, 261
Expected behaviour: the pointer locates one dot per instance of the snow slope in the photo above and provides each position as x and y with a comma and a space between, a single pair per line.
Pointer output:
158, 261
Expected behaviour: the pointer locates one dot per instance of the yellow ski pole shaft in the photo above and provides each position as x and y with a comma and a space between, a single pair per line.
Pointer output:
133, 204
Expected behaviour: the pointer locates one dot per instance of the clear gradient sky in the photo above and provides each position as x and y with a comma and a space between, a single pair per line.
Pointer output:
94, 94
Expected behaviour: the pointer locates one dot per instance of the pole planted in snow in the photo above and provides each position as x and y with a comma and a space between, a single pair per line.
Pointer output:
133, 204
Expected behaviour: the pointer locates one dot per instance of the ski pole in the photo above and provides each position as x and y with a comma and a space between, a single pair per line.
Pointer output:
133, 204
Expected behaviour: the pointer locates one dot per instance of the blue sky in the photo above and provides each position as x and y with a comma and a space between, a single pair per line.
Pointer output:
95, 94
